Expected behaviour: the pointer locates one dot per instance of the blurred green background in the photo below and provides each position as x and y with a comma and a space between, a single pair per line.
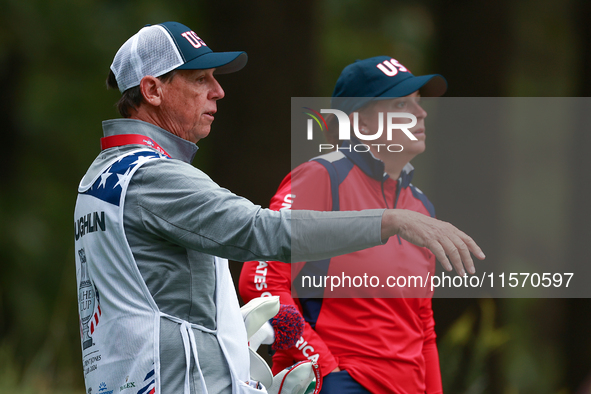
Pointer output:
54, 58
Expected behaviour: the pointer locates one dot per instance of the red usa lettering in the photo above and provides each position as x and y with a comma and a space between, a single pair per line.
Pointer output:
391, 67
193, 39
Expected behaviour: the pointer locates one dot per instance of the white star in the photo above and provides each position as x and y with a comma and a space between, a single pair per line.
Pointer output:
141, 160
104, 177
123, 179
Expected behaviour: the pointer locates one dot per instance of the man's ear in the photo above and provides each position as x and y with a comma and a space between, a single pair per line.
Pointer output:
151, 88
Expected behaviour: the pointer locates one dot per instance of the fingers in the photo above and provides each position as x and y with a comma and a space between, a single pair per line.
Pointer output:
436, 248
460, 256
464, 244
466, 258
472, 246
455, 246
451, 250
450, 246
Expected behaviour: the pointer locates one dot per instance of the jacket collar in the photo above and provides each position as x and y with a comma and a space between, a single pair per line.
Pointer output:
176, 147
372, 166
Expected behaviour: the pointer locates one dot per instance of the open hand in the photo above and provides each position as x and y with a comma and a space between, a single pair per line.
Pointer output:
441, 238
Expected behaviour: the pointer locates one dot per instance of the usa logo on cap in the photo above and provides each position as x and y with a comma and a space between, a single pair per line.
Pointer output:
391, 67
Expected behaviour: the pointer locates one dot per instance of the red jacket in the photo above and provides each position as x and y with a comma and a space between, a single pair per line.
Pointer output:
386, 344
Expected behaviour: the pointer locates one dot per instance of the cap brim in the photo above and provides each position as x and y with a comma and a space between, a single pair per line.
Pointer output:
433, 85
223, 62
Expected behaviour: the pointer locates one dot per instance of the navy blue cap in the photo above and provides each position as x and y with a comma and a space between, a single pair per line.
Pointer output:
381, 78
158, 49
198, 56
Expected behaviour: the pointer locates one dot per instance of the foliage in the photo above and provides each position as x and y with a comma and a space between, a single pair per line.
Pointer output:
467, 348
54, 59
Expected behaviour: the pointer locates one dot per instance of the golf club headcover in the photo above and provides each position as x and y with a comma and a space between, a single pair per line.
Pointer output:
288, 326
281, 331
257, 312
301, 378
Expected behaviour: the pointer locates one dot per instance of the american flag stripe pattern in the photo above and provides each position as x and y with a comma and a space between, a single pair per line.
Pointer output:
95, 319
150, 384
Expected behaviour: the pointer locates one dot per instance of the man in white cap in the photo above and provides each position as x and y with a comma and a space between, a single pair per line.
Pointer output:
158, 310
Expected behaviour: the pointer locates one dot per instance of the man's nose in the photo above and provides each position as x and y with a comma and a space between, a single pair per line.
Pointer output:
418, 110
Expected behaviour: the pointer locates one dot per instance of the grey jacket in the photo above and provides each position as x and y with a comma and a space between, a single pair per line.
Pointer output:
176, 219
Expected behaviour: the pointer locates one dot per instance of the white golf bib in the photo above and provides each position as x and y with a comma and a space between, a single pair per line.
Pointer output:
119, 319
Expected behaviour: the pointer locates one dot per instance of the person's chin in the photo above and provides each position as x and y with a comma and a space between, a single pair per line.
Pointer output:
202, 132
416, 147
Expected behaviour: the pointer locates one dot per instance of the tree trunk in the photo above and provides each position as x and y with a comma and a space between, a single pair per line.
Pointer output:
472, 54
250, 141
578, 319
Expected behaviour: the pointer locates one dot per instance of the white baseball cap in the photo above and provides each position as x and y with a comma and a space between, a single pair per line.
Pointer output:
158, 49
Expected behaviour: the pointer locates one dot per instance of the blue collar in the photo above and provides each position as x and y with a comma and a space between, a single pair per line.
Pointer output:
373, 167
